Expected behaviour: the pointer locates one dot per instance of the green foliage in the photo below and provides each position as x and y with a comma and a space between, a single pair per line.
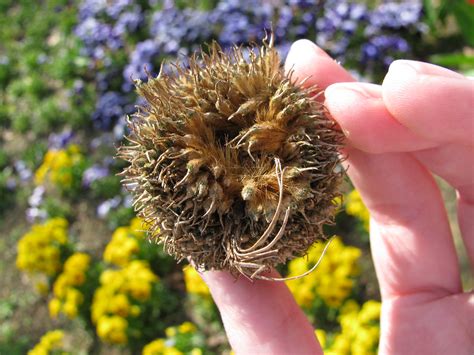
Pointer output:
107, 187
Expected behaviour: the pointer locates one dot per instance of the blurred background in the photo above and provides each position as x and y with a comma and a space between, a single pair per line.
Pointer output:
78, 275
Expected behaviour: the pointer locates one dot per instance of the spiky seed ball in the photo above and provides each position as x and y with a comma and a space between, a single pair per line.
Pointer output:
233, 164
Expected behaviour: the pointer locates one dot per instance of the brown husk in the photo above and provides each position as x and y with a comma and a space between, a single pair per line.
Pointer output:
231, 163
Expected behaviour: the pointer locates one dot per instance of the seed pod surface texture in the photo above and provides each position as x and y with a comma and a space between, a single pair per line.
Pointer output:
232, 164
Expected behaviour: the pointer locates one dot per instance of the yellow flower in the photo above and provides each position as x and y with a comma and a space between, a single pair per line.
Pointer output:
194, 283
138, 228
135, 310
39, 249
340, 346
321, 335
355, 207
172, 351
120, 305
187, 327
196, 351
57, 166
52, 340
113, 279
332, 281
121, 247
117, 287
112, 329
139, 290
70, 309
156, 347
77, 262
171, 332
360, 329
54, 307
60, 286
370, 312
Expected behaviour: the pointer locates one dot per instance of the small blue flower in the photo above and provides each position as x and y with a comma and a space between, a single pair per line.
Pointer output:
94, 173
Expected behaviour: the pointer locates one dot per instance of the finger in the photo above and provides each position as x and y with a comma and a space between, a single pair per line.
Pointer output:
466, 225
439, 104
366, 122
410, 233
361, 112
310, 62
455, 164
411, 240
432, 102
261, 317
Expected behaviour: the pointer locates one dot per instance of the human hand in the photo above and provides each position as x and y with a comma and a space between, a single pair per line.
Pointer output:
418, 122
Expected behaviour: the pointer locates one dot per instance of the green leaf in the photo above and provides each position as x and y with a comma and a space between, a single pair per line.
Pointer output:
464, 14
430, 15
455, 60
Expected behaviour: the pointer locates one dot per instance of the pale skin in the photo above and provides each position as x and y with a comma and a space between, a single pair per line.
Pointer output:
419, 122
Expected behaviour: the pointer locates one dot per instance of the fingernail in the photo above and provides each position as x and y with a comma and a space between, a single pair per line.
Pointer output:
346, 91
302, 46
402, 69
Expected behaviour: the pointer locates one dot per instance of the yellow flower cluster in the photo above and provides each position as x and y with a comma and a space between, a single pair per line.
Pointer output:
57, 164
332, 281
355, 207
167, 346
360, 330
124, 243
52, 340
112, 302
67, 297
194, 283
39, 249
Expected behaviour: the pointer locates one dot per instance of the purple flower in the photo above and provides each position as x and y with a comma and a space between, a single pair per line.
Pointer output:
22, 170
110, 106
37, 196
34, 214
128, 22
105, 207
396, 15
11, 184
383, 48
95, 172
142, 57
60, 140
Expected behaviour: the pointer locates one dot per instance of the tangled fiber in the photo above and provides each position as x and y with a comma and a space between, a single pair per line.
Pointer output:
232, 164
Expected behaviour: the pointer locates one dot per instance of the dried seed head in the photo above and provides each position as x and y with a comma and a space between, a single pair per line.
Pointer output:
231, 163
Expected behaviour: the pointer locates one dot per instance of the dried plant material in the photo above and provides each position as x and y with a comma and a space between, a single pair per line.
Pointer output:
231, 163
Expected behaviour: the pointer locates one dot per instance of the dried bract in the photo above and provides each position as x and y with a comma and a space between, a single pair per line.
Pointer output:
231, 163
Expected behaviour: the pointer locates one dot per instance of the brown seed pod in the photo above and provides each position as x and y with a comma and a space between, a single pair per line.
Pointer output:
231, 163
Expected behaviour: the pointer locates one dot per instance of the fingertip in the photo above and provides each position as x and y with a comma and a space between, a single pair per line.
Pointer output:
432, 101
300, 49
310, 63
361, 113
423, 68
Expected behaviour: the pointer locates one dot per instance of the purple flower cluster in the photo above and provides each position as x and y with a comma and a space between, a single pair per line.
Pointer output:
34, 212
363, 38
94, 173
338, 26
109, 108
395, 15
380, 49
241, 21
103, 25
141, 59
60, 140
